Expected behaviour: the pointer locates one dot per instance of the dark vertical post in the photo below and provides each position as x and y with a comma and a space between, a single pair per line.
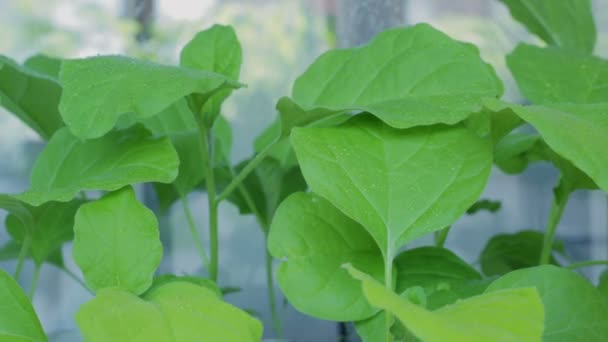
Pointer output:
141, 11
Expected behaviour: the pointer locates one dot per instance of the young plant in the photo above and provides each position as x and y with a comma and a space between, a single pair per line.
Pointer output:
395, 140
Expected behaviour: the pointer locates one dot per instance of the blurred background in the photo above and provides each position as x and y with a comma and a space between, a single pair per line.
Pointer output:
279, 39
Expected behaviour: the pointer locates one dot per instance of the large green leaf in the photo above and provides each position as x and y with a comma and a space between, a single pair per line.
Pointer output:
216, 49
508, 252
99, 90
116, 242
32, 96
45, 64
18, 321
161, 280
564, 23
550, 75
173, 312
430, 267
576, 132
68, 165
399, 184
508, 315
406, 77
574, 309
315, 239
46, 227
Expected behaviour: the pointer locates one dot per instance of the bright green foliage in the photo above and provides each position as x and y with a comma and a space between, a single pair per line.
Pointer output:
564, 23
509, 315
582, 143
507, 252
116, 242
315, 238
108, 87
171, 278
30, 95
268, 185
574, 309
553, 75
173, 312
18, 321
216, 49
45, 227
399, 184
69, 165
406, 77
44, 64
603, 284
429, 267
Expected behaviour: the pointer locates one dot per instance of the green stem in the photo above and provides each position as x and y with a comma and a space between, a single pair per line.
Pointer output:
244, 172
75, 278
560, 198
276, 320
388, 283
206, 140
441, 236
34, 281
25, 248
587, 263
194, 232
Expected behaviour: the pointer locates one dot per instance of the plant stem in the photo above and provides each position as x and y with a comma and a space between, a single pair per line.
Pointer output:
75, 278
244, 172
587, 263
25, 248
194, 232
441, 236
206, 140
276, 321
34, 281
560, 198
388, 283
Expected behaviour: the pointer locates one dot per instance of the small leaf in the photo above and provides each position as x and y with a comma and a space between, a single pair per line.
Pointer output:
18, 320
116, 243
406, 77
567, 24
315, 239
508, 315
574, 309
68, 165
47, 226
511, 154
429, 267
108, 87
578, 133
484, 204
508, 252
32, 96
174, 312
216, 49
399, 184
553, 75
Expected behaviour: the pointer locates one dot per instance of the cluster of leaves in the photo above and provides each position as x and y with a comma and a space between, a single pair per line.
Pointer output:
377, 146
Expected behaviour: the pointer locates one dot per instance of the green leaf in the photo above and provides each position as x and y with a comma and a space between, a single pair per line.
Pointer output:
484, 204
216, 49
46, 65
407, 77
315, 239
603, 284
553, 75
511, 153
176, 312
567, 24
429, 267
116, 242
47, 227
68, 165
18, 320
32, 96
161, 280
508, 315
268, 185
574, 309
508, 252
108, 87
450, 293
399, 184
578, 133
